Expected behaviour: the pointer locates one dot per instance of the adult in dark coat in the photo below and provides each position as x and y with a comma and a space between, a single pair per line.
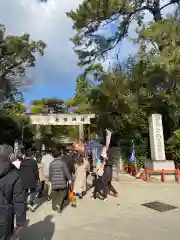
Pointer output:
12, 197
58, 177
70, 162
30, 177
107, 177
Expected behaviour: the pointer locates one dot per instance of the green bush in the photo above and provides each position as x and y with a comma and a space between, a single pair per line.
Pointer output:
173, 148
140, 161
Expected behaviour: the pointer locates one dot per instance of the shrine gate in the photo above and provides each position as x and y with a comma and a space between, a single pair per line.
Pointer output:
62, 119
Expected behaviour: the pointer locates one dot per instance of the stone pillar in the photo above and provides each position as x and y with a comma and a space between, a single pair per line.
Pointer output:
81, 132
38, 138
156, 137
158, 158
38, 133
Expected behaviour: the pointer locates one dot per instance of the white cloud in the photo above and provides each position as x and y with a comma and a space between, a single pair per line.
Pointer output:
47, 22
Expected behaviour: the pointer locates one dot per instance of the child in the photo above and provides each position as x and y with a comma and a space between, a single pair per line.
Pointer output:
98, 178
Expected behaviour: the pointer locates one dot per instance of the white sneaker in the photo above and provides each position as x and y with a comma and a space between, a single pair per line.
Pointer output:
58, 209
31, 208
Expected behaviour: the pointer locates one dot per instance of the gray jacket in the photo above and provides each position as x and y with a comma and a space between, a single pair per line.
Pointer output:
59, 174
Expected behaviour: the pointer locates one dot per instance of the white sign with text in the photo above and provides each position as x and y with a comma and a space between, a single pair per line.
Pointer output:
156, 137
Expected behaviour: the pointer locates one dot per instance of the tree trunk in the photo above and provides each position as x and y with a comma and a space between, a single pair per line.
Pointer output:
4, 88
156, 11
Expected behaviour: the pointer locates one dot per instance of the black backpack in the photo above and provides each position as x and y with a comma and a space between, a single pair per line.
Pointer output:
6, 212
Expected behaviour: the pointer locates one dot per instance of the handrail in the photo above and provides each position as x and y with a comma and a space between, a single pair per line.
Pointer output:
162, 172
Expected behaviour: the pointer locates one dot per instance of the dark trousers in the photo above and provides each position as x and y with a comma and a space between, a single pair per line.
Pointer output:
97, 187
40, 189
30, 195
87, 174
58, 197
107, 187
111, 188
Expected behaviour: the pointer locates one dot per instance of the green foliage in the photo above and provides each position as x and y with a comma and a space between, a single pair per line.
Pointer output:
140, 161
53, 105
12, 108
124, 97
147, 83
84, 85
173, 148
50, 105
92, 21
82, 88
10, 130
17, 53
13, 123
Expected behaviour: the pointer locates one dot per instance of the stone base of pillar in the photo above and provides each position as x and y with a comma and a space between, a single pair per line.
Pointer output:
159, 165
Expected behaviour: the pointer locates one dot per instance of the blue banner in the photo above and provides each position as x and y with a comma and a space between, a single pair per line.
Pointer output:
132, 158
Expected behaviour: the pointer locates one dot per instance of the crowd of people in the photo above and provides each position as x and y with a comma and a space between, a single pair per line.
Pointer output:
25, 177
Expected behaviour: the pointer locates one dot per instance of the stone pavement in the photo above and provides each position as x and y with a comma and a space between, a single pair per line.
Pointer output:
117, 219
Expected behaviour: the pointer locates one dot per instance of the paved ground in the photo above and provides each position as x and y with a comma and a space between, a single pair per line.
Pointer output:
116, 219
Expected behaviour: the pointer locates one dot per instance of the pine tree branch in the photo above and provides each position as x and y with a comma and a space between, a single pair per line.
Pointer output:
169, 3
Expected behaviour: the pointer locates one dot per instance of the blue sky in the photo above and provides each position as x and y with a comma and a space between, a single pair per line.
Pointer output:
55, 73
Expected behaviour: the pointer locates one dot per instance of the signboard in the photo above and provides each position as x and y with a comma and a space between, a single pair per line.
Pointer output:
61, 119
156, 137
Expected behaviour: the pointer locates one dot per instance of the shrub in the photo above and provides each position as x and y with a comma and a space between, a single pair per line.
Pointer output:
173, 148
